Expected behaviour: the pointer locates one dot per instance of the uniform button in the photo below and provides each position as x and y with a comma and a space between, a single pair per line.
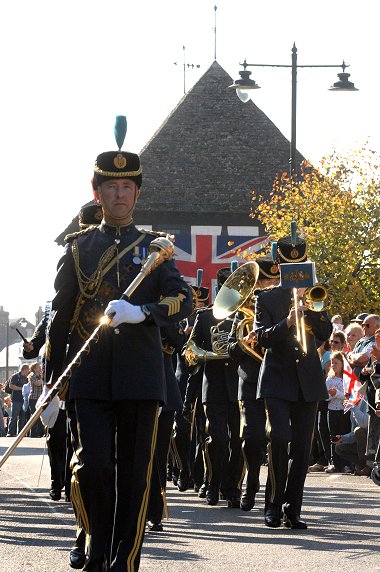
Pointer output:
117, 331
296, 349
297, 361
226, 363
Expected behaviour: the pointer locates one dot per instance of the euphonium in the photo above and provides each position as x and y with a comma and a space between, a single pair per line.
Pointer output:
317, 297
236, 294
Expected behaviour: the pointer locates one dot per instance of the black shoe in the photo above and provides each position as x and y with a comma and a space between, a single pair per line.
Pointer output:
233, 498
294, 521
203, 490
273, 516
154, 526
233, 502
247, 501
182, 484
212, 495
55, 494
196, 488
77, 557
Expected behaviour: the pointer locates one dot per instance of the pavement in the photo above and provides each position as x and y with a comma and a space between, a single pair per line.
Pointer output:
342, 512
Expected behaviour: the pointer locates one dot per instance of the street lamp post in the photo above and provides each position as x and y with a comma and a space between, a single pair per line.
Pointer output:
244, 84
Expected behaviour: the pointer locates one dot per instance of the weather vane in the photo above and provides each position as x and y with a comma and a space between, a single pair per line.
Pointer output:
186, 67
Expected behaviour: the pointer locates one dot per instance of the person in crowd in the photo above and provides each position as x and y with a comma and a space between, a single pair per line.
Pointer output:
372, 375
359, 318
291, 381
35, 383
352, 446
18, 416
335, 414
3, 395
118, 388
353, 333
321, 440
337, 322
360, 355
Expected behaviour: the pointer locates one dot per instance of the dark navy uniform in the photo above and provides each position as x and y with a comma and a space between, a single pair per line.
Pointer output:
173, 339
253, 409
220, 399
118, 387
291, 383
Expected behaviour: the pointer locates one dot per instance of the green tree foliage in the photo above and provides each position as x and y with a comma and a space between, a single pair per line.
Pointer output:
337, 211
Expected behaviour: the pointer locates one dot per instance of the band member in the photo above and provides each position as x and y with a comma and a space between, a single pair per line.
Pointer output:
187, 446
118, 387
173, 338
219, 397
253, 409
291, 382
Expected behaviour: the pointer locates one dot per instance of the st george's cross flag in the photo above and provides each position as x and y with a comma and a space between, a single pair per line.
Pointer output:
210, 253
351, 386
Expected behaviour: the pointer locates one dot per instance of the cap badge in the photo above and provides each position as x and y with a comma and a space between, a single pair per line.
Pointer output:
120, 161
273, 269
294, 253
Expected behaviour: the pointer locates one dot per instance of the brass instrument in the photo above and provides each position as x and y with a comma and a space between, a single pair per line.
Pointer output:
160, 249
317, 299
195, 355
236, 294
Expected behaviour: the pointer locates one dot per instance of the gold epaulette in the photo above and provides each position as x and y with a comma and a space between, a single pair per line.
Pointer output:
156, 233
73, 235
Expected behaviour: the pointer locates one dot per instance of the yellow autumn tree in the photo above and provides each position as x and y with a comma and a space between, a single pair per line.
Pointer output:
337, 211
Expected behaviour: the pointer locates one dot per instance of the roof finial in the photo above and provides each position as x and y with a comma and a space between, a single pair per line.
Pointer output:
215, 9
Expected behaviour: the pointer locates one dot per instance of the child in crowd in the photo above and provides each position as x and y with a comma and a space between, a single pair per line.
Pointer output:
335, 415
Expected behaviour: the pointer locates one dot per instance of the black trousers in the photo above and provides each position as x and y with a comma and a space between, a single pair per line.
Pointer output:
158, 482
57, 449
111, 482
223, 445
254, 440
290, 430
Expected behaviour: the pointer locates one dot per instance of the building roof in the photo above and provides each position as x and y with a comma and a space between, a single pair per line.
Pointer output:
212, 150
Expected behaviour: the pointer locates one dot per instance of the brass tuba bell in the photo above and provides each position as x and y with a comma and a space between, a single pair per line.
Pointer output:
236, 294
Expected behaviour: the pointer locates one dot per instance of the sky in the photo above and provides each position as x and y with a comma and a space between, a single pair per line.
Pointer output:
68, 68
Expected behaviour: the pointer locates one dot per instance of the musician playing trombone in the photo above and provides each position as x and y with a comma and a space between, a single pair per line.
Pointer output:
291, 382
119, 386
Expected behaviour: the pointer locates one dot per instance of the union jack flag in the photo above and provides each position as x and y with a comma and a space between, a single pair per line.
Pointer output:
351, 386
211, 252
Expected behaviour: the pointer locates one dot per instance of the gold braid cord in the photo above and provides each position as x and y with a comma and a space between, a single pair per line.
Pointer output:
89, 285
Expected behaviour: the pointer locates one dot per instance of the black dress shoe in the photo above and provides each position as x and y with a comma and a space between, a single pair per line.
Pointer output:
203, 490
55, 494
212, 495
273, 516
294, 521
233, 498
247, 501
77, 557
154, 526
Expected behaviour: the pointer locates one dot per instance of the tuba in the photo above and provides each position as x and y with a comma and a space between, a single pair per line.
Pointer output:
237, 294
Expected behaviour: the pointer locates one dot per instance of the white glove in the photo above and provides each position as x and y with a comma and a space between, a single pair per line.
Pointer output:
50, 414
124, 312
